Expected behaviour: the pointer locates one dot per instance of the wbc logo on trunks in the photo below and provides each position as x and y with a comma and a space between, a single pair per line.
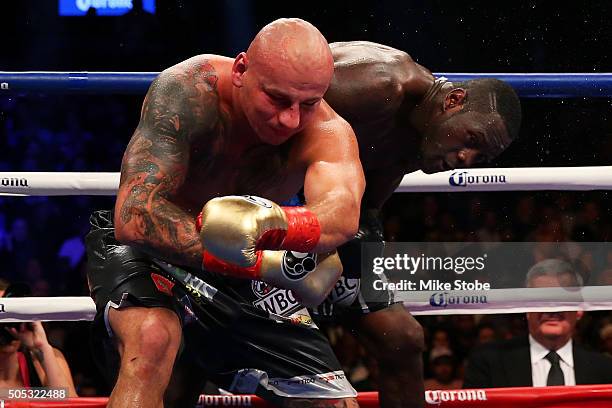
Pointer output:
297, 265
260, 288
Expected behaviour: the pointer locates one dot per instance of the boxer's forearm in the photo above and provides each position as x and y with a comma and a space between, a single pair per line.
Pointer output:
159, 227
338, 215
179, 105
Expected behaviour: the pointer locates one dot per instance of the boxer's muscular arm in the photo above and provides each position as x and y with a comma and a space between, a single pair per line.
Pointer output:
334, 183
179, 106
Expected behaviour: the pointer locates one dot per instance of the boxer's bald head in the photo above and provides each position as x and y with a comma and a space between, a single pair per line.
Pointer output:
283, 76
292, 44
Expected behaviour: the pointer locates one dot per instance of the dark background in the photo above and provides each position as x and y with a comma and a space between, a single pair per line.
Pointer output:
88, 132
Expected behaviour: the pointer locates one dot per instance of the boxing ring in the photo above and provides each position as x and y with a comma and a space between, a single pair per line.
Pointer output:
527, 85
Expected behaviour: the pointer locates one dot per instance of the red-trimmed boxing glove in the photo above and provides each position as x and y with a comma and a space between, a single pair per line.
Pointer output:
234, 228
310, 276
244, 237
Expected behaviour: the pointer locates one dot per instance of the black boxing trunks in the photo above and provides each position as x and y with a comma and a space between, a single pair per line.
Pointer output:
246, 336
354, 294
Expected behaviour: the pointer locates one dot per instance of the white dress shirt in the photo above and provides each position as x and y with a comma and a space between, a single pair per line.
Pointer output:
540, 366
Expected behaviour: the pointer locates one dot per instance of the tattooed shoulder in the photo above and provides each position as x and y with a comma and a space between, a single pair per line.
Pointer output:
182, 104
180, 110
183, 99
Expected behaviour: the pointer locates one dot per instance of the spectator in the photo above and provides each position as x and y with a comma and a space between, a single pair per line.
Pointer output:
486, 333
439, 344
440, 339
547, 356
605, 334
26, 357
464, 334
444, 370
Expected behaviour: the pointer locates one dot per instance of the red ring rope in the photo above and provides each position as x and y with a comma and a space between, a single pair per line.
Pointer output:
591, 396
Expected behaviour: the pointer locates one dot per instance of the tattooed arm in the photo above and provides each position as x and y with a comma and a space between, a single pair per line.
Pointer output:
180, 105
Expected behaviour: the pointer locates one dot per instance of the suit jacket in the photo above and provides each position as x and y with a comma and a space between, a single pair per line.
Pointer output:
508, 364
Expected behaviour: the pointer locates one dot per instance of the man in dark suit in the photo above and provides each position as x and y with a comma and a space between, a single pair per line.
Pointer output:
547, 356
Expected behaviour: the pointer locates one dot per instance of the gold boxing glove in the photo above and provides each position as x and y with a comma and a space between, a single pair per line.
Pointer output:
234, 228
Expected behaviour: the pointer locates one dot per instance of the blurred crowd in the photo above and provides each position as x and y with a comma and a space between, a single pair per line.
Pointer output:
451, 339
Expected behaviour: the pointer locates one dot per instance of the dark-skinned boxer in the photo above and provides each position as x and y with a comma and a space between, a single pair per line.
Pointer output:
405, 120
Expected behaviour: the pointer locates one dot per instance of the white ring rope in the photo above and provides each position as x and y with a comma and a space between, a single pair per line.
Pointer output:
510, 179
515, 300
57, 184
419, 303
61, 308
512, 300
460, 180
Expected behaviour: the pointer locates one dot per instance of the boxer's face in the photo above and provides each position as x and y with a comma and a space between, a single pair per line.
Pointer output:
462, 139
280, 100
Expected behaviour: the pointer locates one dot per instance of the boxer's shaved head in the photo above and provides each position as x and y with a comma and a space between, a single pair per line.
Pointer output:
282, 77
294, 45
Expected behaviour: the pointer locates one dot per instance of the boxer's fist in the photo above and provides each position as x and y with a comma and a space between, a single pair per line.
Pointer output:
235, 228
310, 276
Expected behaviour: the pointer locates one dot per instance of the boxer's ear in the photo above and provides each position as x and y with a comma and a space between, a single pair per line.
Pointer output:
241, 63
455, 99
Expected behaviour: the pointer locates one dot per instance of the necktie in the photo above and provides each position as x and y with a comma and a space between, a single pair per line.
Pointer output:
555, 375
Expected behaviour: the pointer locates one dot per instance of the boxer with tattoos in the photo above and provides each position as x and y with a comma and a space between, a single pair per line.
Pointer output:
168, 282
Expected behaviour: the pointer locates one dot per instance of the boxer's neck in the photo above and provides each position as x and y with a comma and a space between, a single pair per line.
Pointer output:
431, 105
237, 126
